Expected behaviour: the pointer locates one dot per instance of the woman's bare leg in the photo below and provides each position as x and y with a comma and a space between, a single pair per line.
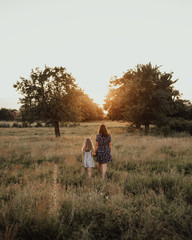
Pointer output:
104, 170
99, 167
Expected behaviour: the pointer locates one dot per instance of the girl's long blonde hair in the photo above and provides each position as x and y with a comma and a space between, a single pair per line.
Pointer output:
88, 145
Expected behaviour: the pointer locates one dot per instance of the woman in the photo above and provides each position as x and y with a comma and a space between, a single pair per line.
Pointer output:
103, 149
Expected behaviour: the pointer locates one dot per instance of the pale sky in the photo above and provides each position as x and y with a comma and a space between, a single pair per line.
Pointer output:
94, 40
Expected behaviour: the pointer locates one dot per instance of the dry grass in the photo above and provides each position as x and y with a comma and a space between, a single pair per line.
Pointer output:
45, 194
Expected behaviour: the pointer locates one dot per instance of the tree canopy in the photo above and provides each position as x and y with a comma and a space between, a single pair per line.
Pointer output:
143, 95
52, 95
88, 110
8, 114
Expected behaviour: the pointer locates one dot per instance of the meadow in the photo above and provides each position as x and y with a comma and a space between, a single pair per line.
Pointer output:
45, 194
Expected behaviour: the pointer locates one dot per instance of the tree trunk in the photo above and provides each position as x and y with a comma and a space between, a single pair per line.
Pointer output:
57, 131
146, 128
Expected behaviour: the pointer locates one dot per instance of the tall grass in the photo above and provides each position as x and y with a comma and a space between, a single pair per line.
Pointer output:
45, 194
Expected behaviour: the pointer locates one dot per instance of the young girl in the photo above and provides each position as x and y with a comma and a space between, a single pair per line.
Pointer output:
88, 152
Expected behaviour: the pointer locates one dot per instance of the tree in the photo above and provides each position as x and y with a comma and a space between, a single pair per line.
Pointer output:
49, 95
182, 109
8, 114
142, 96
89, 110
5, 115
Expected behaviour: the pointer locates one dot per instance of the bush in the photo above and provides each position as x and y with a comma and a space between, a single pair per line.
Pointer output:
174, 125
25, 124
4, 125
67, 124
163, 131
48, 124
39, 124
180, 125
131, 128
74, 124
16, 125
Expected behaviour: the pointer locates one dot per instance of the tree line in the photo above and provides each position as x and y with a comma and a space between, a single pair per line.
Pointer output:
142, 96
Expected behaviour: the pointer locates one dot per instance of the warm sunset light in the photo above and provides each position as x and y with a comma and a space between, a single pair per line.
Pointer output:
95, 119
94, 40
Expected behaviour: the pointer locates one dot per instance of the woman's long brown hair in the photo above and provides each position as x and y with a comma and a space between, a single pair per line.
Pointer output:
103, 131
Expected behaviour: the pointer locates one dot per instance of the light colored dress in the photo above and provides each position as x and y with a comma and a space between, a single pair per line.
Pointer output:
88, 159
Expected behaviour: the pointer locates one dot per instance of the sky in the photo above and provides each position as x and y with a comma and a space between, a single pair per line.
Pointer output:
94, 40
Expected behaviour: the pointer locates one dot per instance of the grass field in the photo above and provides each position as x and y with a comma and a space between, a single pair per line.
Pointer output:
44, 192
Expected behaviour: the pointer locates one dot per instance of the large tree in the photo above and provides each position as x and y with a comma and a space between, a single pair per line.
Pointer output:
143, 95
49, 95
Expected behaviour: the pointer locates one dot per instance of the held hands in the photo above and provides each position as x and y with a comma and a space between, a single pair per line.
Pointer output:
95, 154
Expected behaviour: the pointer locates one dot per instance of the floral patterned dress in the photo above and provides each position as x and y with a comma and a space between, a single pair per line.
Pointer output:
103, 154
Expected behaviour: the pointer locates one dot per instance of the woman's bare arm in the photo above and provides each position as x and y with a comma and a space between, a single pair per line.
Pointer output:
110, 145
96, 146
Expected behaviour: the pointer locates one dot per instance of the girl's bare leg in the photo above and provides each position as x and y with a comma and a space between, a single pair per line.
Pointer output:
89, 171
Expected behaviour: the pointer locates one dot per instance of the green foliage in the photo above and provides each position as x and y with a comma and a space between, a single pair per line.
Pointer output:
4, 125
180, 125
52, 96
163, 131
68, 124
48, 95
174, 126
88, 110
182, 109
25, 124
38, 124
8, 114
16, 125
48, 124
141, 96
